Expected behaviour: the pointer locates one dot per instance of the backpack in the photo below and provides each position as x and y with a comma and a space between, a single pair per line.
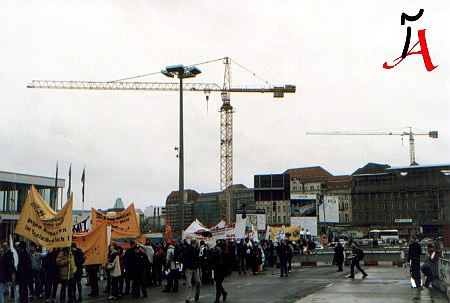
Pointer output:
360, 253
79, 258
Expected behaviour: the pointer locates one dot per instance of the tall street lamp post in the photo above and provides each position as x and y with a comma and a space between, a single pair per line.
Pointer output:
181, 72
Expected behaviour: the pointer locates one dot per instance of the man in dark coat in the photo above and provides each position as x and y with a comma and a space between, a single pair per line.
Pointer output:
414, 252
357, 256
339, 256
24, 272
137, 265
220, 267
283, 254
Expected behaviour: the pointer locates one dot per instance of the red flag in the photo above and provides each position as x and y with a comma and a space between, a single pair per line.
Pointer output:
168, 229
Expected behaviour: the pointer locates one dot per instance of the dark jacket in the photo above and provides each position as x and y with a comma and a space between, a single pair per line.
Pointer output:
358, 253
49, 264
283, 252
191, 257
219, 263
137, 262
7, 266
414, 251
24, 272
338, 253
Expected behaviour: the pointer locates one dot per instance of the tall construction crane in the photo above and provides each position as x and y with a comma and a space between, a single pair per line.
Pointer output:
226, 121
412, 154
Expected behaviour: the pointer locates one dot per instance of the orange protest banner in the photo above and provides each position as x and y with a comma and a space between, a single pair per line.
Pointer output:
42, 225
124, 224
94, 245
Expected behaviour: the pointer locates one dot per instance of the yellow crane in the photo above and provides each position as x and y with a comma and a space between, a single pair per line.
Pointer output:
226, 124
412, 154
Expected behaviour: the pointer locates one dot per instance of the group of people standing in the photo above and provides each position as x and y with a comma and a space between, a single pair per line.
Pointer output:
38, 274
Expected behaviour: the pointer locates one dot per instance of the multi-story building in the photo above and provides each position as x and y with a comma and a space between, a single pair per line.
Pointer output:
272, 193
173, 209
207, 208
238, 198
412, 199
340, 187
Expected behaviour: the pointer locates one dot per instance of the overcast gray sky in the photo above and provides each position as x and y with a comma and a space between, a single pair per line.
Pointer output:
333, 51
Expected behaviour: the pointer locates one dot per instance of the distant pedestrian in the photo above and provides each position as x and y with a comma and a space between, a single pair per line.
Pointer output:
339, 256
219, 265
191, 264
283, 252
414, 252
357, 255
426, 267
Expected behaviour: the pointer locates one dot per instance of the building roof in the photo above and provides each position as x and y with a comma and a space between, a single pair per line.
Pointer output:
371, 168
30, 179
437, 166
314, 172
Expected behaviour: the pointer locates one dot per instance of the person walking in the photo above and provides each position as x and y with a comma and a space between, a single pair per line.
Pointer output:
173, 266
414, 252
191, 264
339, 256
358, 255
220, 267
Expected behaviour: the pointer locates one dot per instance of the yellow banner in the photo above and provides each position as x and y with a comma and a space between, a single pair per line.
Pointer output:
94, 245
124, 224
42, 225
291, 233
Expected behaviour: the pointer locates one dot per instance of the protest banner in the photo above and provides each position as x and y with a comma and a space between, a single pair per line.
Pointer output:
279, 233
42, 225
124, 224
94, 244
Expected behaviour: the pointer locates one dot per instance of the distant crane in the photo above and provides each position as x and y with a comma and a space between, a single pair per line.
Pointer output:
412, 154
226, 123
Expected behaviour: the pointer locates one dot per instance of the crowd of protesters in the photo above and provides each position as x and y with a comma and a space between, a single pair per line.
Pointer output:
132, 270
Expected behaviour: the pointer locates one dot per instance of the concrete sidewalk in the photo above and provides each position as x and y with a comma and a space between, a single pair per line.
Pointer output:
382, 285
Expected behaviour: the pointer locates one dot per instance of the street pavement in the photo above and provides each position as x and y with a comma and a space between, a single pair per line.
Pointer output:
320, 284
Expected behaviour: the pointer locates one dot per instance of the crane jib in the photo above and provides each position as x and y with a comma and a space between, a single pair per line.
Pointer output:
156, 86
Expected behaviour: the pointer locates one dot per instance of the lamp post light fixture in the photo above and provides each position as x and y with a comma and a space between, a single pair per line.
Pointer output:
181, 72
